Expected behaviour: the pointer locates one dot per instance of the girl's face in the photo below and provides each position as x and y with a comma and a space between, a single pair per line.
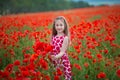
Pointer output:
59, 26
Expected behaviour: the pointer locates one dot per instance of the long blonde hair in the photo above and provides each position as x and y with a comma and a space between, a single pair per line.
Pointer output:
66, 29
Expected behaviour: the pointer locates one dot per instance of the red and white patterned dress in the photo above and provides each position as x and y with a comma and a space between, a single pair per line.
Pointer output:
63, 62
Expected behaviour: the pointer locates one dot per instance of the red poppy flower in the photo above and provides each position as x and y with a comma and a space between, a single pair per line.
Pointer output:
17, 63
5, 74
25, 60
18, 74
41, 47
47, 77
25, 73
56, 78
86, 76
77, 66
99, 56
9, 68
43, 64
86, 65
26, 55
59, 72
118, 73
106, 51
89, 56
101, 75
94, 60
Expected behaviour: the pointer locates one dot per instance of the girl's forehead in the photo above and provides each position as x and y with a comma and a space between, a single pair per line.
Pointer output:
59, 20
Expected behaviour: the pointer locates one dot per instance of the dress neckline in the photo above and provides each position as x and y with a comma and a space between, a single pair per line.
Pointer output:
59, 36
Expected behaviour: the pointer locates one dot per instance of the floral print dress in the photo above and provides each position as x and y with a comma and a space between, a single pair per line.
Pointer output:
62, 63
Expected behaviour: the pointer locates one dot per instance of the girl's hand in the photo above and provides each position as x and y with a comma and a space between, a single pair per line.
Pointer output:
53, 57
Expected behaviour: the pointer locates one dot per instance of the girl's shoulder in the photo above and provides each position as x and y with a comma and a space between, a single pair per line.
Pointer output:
60, 37
66, 37
56, 36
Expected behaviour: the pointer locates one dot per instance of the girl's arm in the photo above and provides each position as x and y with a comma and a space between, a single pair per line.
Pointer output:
63, 48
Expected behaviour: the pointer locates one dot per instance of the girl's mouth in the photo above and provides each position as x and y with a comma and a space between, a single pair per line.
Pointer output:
59, 29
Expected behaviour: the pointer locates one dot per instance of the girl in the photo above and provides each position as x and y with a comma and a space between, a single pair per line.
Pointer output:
60, 40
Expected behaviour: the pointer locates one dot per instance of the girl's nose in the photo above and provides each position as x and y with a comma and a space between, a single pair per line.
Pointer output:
59, 26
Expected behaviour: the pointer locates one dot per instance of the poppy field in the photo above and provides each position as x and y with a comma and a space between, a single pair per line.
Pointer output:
94, 51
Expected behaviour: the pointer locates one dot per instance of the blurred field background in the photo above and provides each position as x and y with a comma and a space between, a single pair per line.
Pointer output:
25, 28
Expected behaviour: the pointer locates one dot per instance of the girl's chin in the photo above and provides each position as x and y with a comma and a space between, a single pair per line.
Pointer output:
59, 31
